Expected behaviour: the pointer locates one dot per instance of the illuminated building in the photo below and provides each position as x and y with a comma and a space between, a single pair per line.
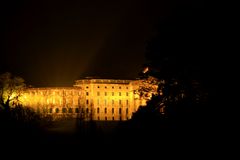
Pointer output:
96, 99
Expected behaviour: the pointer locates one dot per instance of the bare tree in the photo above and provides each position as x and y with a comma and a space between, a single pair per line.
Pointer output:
11, 88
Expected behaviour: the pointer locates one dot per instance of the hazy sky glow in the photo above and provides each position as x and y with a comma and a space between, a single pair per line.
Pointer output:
53, 43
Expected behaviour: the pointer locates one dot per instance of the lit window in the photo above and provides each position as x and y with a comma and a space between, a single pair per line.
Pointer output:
105, 102
98, 102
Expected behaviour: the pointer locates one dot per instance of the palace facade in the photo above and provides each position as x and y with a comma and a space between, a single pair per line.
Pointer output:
96, 99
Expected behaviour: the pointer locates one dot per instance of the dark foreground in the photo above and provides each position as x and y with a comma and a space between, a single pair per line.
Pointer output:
71, 138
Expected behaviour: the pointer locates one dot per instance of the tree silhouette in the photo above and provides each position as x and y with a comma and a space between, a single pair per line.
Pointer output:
177, 58
11, 88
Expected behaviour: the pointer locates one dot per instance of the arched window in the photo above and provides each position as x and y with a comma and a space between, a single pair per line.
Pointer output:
70, 110
64, 110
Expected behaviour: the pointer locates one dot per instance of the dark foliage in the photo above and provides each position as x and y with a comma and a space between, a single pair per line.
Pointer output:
182, 55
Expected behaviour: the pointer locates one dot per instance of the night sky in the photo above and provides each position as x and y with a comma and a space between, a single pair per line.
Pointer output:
53, 43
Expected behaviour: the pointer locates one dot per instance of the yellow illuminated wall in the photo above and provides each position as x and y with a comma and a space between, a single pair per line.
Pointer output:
97, 99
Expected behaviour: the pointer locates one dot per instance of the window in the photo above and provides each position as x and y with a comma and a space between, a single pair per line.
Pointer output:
113, 118
98, 93
112, 110
70, 110
126, 110
98, 118
105, 110
120, 87
98, 87
120, 102
50, 110
87, 101
105, 118
76, 110
98, 102
105, 102
126, 93
64, 110
112, 93
112, 102
126, 87
57, 110
87, 110
98, 110
120, 110
105, 93
112, 87
105, 87
86, 93
120, 94
127, 102
86, 86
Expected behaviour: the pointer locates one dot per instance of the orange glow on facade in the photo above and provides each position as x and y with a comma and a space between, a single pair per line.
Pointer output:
98, 99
